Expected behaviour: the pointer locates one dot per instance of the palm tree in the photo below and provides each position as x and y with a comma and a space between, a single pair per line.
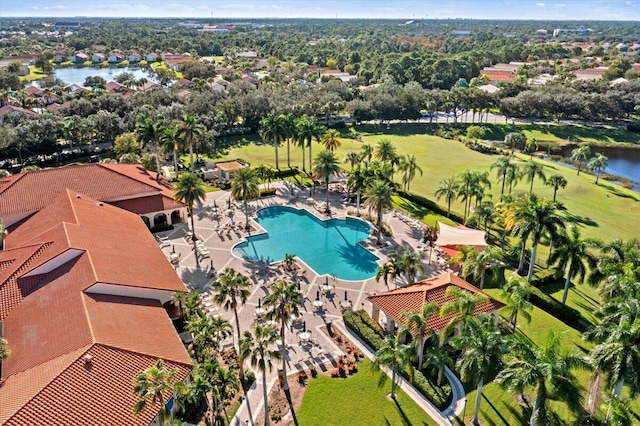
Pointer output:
532, 169
409, 167
150, 133
570, 254
448, 188
230, 289
535, 218
504, 166
395, 355
366, 152
171, 141
416, 323
477, 263
545, 368
618, 356
581, 155
386, 152
385, 271
462, 305
272, 130
556, 181
150, 386
617, 259
190, 129
378, 196
190, 189
407, 261
598, 164
514, 138
256, 346
517, 293
244, 186
483, 214
5, 351
331, 139
289, 133
282, 304
308, 129
481, 359
352, 158
326, 164
530, 146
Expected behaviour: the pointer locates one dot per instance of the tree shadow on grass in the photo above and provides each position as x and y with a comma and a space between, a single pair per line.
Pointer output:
495, 411
618, 193
586, 221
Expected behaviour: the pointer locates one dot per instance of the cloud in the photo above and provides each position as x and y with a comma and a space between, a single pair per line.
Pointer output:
243, 6
541, 4
560, 5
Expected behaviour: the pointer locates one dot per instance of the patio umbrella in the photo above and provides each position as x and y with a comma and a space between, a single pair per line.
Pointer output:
214, 204
259, 302
229, 202
304, 326
318, 295
211, 264
298, 284
345, 296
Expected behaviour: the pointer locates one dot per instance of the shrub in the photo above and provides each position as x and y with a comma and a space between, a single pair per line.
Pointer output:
249, 378
634, 127
370, 322
313, 371
543, 277
440, 397
428, 204
366, 333
564, 313
265, 192
275, 414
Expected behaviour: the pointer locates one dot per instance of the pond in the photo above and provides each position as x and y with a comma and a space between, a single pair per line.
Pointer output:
77, 75
623, 161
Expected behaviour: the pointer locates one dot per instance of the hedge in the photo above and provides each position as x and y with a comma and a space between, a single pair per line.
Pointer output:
428, 204
543, 277
264, 192
564, 313
372, 334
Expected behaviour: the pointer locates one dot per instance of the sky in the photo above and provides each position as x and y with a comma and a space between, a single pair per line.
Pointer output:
628, 10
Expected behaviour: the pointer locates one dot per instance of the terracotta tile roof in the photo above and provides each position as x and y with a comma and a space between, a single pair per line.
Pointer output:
88, 394
29, 192
414, 296
498, 75
53, 315
229, 166
154, 203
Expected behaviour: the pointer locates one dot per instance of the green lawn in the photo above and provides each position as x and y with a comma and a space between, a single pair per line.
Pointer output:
34, 74
605, 211
357, 400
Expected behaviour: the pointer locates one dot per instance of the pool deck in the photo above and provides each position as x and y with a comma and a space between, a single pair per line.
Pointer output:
318, 349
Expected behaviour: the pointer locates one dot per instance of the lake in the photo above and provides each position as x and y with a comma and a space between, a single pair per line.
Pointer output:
78, 75
624, 162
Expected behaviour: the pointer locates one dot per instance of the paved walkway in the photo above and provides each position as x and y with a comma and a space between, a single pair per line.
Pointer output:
211, 220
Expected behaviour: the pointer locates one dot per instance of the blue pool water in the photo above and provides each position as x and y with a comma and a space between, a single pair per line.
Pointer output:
329, 246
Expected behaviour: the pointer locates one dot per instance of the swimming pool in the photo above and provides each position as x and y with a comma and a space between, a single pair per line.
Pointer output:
327, 246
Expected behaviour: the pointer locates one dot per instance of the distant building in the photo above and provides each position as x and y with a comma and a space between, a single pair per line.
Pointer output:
590, 73
496, 75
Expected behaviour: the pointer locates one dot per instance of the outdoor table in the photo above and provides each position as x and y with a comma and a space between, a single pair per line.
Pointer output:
174, 257
260, 312
318, 304
346, 304
327, 288
304, 336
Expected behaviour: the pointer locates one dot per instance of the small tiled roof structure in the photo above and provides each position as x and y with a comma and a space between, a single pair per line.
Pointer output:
128, 186
81, 301
414, 296
230, 166
499, 75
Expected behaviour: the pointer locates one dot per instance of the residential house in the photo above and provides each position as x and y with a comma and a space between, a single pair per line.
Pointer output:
80, 58
175, 61
134, 57
225, 171
115, 87
219, 84
151, 57
115, 57
10, 110
497, 75
86, 296
148, 85
183, 83
60, 56
97, 57
590, 73
74, 87
128, 186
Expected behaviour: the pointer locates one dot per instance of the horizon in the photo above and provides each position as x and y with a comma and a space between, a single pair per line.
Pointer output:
498, 10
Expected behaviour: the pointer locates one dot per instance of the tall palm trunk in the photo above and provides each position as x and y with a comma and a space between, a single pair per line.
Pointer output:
504, 180
191, 155
288, 153
522, 253
275, 144
303, 157
393, 383
420, 352
310, 155
532, 262
285, 382
175, 162
537, 406
379, 223
241, 369
476, 411
266, 398
567, 283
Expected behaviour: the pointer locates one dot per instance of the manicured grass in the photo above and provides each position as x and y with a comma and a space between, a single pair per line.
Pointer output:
34, 74
604, 211
357, 400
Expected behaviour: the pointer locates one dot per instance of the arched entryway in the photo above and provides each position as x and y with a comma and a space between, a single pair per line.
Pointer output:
159, 219
146, 221
176, 216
